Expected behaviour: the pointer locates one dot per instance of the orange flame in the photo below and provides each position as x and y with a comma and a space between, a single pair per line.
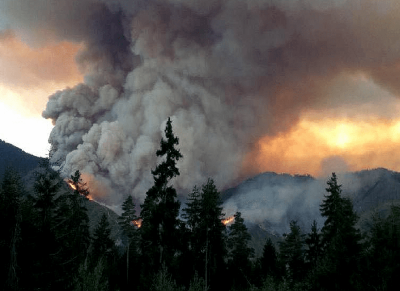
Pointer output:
228, 220
73, 187
137, 222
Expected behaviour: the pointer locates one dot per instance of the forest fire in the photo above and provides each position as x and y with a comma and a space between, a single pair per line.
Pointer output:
228, 220
137, 222
83, 192
71, 185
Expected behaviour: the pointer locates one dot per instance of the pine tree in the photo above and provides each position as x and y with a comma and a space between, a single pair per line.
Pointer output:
384, 251
192, 212
160, 209
102, 253
192, 215
340, 240
72, 231
314, 246
269, 260
206, 232
102, 242
331, 208
127, 218
46, 185
191, 244
43, 241
11, 194
126, 222
239, 252
292, 253
212, 234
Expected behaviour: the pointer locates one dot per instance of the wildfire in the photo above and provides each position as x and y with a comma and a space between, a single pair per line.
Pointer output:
137, 222
73, 187
228, 220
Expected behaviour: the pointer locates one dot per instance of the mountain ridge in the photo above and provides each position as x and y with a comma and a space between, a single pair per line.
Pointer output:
268, 201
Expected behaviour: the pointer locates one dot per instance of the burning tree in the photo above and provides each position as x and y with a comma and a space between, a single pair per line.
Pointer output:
72, 229
160, 209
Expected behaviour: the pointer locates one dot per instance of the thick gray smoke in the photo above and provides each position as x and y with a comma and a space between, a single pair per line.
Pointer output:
272, 200
227, 72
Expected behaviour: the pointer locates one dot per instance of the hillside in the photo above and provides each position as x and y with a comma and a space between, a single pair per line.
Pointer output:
26, 164
13, 156
269, 201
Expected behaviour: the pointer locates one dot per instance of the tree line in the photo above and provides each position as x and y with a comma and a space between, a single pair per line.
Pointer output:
45, 242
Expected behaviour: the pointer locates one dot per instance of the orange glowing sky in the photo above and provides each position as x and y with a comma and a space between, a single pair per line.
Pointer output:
27, 77
361, 128
318, 147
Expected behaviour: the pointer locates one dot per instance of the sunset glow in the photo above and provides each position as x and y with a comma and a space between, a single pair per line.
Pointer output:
28, 76
311, 144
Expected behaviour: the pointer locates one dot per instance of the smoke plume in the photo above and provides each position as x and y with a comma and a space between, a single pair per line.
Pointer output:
228, 72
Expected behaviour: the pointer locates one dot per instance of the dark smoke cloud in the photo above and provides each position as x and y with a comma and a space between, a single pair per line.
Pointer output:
227, 71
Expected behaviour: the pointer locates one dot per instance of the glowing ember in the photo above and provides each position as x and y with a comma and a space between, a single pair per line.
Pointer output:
71, 185
137, 222
82, 192
228, 220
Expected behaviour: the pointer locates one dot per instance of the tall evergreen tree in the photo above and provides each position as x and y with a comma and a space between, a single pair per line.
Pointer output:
102, 242
331, 208
46, 185
213, 235
160, 209
11, 194
384, 251
207, 238
72, 230
269, 260
314, 246
43, 268
239, 252
192, 215
126, 222
340, 241
292, 253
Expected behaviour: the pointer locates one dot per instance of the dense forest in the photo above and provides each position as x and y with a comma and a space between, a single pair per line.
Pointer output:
45, 242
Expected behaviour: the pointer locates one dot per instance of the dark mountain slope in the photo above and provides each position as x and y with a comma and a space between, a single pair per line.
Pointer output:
25, 164
18, 159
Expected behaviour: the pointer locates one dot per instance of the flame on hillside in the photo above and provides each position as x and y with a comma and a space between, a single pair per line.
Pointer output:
137, 222
228, 220
71, 185
84, 193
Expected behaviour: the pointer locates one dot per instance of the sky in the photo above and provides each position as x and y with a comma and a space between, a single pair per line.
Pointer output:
28, 76
294, 86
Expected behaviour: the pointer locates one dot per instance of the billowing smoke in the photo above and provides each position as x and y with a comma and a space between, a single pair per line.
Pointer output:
228, 72
271, 201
